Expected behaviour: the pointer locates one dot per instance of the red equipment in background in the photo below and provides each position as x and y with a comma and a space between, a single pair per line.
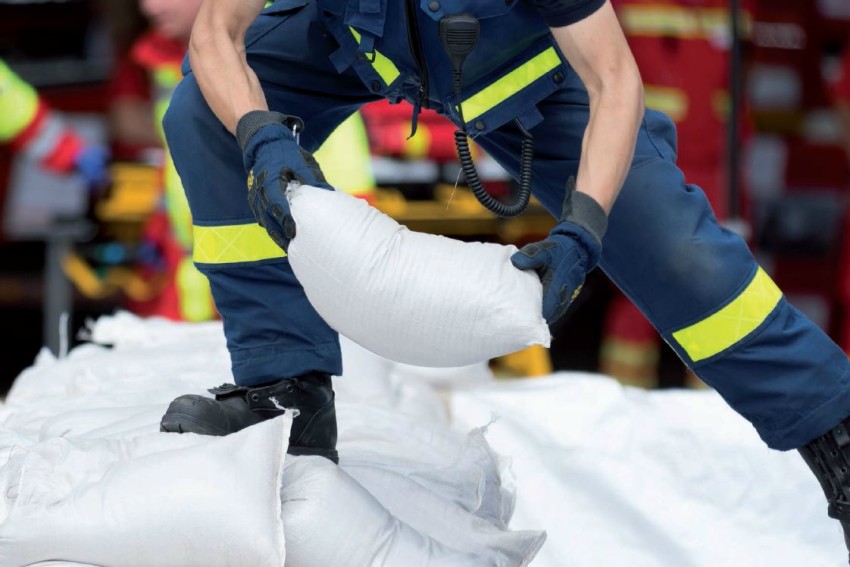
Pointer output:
801, 184
389, 128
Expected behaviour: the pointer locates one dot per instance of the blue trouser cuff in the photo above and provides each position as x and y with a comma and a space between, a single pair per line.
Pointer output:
262, 365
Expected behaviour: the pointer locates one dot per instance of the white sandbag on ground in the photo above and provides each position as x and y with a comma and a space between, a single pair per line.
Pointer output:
442, 488
332, 521
624, 476
158, 500
473, 519
411, 297
371, 380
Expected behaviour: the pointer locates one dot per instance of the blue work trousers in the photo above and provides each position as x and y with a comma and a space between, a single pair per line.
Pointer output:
697, 282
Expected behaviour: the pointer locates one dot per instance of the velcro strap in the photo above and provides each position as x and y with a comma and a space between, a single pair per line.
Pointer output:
588, 214
253, 121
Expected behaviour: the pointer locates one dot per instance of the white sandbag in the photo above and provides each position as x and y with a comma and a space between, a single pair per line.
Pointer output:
650, 478
163, 499
463, 504
411, 297
332, 521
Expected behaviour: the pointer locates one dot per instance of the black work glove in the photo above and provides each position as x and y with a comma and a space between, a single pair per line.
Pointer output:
273, 158
571, 250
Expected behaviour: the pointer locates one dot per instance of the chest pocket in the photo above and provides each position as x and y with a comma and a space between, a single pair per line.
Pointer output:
481, 9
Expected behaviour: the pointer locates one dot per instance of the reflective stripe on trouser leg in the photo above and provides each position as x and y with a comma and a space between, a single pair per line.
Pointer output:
700, 286
272, 331
666, 251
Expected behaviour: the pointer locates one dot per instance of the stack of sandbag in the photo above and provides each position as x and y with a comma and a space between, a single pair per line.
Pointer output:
87, 479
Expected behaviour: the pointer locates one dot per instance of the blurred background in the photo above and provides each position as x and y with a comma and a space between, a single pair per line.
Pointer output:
92, 217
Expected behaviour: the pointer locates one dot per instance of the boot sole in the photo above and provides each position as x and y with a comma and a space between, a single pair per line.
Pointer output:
178, 424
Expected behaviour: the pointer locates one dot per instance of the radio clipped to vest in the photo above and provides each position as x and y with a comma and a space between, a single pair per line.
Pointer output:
459, 36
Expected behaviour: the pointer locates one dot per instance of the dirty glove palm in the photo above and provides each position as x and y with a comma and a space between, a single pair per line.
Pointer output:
571, 250
273, 158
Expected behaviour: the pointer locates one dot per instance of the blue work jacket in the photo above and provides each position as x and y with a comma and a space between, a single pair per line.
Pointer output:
395, 48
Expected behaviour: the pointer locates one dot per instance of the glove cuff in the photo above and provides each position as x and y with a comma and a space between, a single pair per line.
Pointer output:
588, 214
252, 121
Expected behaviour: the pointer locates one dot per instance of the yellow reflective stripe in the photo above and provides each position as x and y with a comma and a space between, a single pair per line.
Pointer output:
176, 204
384, 67
346, 159
659, 20
18, 104
671, 101
734, 322
417, 146
631, 353
167, 76
233, 243
196, 303
510, 84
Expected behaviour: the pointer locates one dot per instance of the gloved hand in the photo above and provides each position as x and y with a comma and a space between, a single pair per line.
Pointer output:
92, 163
273, 158
571, 250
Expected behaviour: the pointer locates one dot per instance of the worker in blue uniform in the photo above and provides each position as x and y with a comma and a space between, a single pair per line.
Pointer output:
266, 83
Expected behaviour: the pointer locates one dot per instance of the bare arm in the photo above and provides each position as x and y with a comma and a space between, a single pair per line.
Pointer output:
217, 54
597, 49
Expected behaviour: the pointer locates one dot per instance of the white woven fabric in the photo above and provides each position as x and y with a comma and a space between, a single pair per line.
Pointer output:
411, 297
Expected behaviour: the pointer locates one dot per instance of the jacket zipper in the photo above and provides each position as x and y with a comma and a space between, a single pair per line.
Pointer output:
415, 42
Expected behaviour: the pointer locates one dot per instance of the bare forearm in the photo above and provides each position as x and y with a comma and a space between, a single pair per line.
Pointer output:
609, 140
217, 54
597, 50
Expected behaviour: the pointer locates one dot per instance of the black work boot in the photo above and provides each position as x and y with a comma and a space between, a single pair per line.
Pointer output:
237, 407
829, 458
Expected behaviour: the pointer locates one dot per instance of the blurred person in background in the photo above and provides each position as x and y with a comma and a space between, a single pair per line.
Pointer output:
29, 126
139, 94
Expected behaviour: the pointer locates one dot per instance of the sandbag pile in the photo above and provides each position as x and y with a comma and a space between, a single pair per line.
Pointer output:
87, 479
